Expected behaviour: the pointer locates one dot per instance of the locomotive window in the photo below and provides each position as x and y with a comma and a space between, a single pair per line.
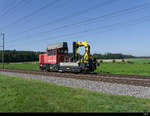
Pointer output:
62, 51
54, 52
49, 52
65, 51
59, 51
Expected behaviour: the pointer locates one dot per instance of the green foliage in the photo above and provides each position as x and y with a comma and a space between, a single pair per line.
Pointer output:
130, 62
101, 61
114, 61
148, 63
20, 56
112, 56
123, 60
30, 95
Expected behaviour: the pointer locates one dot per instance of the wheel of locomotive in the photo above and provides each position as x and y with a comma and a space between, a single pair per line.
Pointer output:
48, 70
85, 71
56, 68
42, 69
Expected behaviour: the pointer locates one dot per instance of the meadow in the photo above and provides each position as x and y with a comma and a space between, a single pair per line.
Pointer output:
25, 66
140, 60
30, 95
130, 66
124, 68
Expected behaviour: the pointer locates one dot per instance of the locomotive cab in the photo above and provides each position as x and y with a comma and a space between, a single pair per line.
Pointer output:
55, 54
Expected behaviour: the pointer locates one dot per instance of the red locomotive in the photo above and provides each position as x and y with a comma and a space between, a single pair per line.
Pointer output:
55, 54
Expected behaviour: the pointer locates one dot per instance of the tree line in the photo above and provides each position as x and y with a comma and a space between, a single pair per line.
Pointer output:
19, 56
112, 56
26, 56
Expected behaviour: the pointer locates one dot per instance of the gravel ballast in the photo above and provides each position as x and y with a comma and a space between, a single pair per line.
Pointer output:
113, 88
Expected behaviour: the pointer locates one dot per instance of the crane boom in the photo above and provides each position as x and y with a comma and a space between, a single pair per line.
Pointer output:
86, 55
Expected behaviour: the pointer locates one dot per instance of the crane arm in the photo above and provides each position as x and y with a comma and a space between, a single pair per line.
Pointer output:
86, 56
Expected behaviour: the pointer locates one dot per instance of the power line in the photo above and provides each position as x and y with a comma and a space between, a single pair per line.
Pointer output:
129, 10
32, 13
71, 16
12, 7
113, 14
137, 21
107, 26
5, 9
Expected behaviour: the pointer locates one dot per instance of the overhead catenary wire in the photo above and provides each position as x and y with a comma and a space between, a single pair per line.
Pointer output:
6, 8
12, 7
78, 13
135, 21
107, 27
73, 35
112, 14
32, 13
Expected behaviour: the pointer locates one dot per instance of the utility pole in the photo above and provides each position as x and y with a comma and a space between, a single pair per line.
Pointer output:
3, 46
3, 51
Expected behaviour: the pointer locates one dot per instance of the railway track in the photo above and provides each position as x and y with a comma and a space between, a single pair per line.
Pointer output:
136, 80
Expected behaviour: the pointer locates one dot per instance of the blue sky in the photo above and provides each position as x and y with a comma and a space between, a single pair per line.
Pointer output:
116, 26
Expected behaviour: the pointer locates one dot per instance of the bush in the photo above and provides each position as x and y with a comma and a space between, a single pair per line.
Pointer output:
123, 60
114, 60
130, 62
101, 61
148, 63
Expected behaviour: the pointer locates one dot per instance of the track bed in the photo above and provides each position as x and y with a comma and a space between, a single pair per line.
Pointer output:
136, 80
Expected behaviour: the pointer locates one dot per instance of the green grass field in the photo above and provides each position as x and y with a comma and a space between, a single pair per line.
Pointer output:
30, 95
140, 60
124, 68
138, 66
22, 66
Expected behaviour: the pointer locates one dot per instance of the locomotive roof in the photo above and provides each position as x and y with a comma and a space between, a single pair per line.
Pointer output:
57, 45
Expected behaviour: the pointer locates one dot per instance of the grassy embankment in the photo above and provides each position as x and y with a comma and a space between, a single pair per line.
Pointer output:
30, 95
